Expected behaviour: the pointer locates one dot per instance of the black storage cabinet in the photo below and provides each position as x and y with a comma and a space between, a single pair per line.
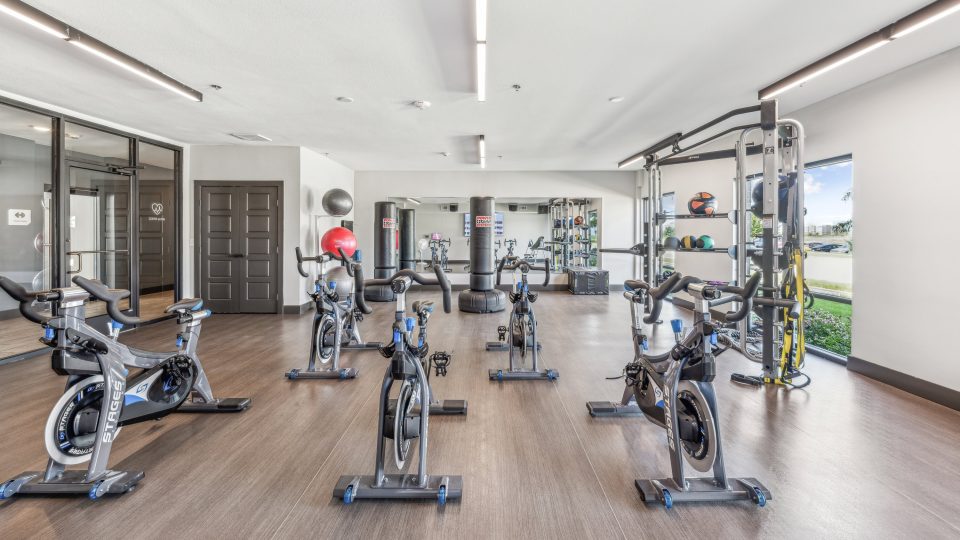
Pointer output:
588, 280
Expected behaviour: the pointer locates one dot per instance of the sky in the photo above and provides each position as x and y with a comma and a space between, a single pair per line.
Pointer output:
823, 190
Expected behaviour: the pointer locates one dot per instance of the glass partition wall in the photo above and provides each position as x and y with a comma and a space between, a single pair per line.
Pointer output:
69, 190
26, 172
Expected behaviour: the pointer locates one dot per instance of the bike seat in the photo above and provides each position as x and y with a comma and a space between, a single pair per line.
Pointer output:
423, 306
187, 304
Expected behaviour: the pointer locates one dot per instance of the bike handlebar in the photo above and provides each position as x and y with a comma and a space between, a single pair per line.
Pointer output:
325, 257
25, 298
441, 280
744, 295
656, 294
712, 293
525, 267
110, 297
354, 270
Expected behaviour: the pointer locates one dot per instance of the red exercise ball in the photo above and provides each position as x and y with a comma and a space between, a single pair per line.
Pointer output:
339, 237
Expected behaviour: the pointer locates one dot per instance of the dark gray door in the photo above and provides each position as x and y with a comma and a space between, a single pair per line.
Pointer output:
239, 248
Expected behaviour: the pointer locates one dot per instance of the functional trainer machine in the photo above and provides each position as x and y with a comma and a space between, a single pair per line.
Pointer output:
338, 298
404, 419
519, 336
777, 341
99, 399
674, 390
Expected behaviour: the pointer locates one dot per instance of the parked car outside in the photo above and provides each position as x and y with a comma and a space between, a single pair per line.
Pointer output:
826, 248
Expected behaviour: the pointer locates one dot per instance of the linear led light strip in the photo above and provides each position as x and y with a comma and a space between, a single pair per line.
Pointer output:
907, 25
482, 151
40, 20
481, 50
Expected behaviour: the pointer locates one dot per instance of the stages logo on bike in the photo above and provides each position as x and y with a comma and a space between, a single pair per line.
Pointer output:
483, 221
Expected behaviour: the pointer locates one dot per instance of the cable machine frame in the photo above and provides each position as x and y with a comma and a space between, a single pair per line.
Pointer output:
782, 153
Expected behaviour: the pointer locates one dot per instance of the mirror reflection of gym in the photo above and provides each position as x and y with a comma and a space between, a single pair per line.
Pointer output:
563, 232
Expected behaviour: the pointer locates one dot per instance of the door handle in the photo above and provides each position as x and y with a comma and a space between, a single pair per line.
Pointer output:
79, 255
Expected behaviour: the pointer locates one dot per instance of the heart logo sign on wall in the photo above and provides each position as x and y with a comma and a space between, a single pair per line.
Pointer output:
157, 208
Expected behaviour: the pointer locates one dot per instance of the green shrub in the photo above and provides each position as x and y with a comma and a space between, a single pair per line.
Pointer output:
828, 331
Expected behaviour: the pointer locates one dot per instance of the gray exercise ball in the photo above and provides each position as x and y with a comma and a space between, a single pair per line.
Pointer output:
337, 202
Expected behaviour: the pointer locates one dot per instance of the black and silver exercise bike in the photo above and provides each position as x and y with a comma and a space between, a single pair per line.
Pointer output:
100, 398
674, 390
519, 336
338, 298
405, 418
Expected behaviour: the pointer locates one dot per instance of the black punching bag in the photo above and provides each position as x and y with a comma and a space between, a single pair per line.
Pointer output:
482, 296
408, 240
384, 252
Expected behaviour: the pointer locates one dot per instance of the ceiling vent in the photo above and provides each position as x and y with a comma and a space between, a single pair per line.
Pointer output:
253, 137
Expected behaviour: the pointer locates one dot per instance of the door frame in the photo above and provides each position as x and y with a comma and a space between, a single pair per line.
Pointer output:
133, 231
198, 185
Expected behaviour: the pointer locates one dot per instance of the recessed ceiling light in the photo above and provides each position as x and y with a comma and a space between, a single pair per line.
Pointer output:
444, 154
345, 99
44, 129
616, 99
421, 104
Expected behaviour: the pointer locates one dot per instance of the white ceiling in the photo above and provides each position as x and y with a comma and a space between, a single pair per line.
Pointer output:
282, 64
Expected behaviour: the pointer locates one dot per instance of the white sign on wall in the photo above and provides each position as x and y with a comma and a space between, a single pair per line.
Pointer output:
18, 216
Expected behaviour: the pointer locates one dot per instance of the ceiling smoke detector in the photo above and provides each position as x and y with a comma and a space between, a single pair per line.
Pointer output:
444, 154
616, 99
345, 99
421, 104
253, 137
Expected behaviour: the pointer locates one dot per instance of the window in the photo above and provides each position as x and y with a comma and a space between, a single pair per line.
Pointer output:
828, 269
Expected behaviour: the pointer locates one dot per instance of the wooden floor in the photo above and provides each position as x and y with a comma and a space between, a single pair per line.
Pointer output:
847, 458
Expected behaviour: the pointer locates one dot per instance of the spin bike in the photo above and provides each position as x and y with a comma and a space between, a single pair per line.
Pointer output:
99, 398
674, 390
338, 297
405, 418
438, 252
522, 327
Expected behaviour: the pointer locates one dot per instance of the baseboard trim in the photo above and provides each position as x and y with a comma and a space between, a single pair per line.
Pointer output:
24, 356
908, 383
297, 310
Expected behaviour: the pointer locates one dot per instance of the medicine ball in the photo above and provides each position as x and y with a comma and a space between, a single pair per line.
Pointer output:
787, 181
337, 202
671, 242
339, 237
578, 220
689, 242
702, 203
705, 242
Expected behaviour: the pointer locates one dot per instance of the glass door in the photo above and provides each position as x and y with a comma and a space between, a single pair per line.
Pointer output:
156, 231
98, 231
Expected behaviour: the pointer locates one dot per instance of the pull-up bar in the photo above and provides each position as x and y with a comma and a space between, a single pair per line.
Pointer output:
673, 141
